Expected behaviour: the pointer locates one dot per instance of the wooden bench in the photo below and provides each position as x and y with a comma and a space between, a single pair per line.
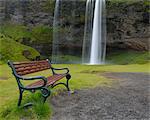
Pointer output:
19, 69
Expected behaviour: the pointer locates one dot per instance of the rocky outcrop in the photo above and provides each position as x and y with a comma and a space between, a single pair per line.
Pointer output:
140, 44
28, 12
128, 24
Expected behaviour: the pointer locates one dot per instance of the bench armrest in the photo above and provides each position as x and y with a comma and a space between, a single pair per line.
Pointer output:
34, 78
54, 69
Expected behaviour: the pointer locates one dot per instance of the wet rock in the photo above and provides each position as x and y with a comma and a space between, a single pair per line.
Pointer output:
128, 26
127, 23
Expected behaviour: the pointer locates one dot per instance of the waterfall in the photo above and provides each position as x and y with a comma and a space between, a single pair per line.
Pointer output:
65, 47
56, 22
67, 44
94, 44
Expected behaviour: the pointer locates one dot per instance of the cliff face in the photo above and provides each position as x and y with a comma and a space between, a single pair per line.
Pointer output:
127, 23
27, 12
35, 15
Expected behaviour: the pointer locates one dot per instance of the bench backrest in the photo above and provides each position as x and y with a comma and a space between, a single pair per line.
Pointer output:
24, 68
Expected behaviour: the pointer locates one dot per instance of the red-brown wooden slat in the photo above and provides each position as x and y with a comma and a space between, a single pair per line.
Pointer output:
31, 68
22, 64
32, 71
28, 62
54, 78
51, 80
23, 68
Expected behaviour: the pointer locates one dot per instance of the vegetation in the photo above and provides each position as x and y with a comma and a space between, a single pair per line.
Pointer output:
12, 50
16, 35
15, 32
42, 34
128, 57
83, 76
38, 34
49, 6
67, 59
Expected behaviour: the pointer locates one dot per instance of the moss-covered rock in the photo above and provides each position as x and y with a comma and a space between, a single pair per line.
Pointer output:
12, 50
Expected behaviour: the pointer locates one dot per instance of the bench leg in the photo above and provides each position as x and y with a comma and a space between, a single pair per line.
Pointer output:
67, 83
45, 93
20, 96
68, 76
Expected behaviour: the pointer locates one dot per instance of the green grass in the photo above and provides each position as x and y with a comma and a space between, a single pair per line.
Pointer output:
39, 111
15, 31
42, 34
38, 34
128, 57
83, 76
16, 49
67, 58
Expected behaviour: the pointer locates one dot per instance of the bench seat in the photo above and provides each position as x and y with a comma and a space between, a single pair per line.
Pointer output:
50, 81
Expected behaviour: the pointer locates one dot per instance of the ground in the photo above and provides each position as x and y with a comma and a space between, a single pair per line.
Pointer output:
100, 91
127, 99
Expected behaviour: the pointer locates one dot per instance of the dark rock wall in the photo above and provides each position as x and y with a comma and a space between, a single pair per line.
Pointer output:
27, 12
30, 13
127, 23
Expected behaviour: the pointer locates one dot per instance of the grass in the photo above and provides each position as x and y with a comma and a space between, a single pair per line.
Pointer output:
67, 58
83, 76
128, 57
39, 111
15, 31
16, 49
38, 34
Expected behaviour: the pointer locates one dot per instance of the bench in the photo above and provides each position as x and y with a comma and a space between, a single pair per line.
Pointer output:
20, 69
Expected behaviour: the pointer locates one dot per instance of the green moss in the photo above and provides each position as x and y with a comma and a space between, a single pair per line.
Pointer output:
42, 34
128, 57
49, 6
67, 58
38, 34
15, 31
12, 50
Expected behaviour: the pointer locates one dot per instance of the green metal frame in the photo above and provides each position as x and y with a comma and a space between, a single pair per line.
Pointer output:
43, 88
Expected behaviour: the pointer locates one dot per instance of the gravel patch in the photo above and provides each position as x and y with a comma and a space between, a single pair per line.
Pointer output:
127, 99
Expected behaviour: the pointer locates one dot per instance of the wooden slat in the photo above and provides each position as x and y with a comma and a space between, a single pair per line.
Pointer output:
54, 78
23, 68
28, 62
51, 80
32, 67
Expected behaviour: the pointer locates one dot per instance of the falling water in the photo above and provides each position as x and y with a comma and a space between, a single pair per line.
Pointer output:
66, 34
94, 44
56, 23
